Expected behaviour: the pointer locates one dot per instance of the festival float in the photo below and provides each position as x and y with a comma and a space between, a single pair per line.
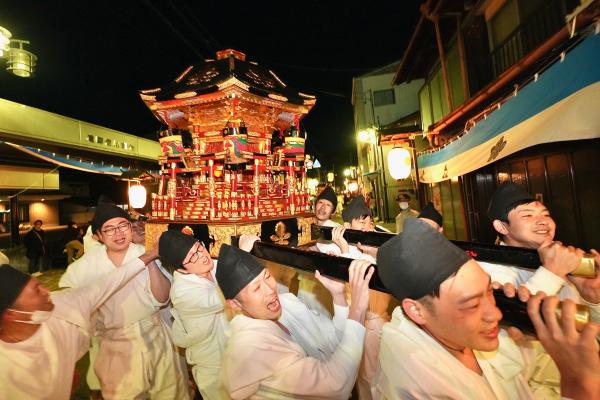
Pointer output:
233, 159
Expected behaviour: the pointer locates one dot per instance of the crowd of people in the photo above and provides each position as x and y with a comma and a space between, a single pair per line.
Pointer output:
246, 336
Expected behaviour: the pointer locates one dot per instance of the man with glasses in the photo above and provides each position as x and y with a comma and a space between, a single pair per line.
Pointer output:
136, 358
199, 313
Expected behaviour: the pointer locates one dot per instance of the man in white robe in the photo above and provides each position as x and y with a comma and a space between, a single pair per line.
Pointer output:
357, 215
200, 320
262, 357
522, 221
444, 341
310, 291
136, 356
43, 335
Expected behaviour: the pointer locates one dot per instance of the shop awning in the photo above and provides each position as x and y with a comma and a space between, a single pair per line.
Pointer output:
71, 162
560, 105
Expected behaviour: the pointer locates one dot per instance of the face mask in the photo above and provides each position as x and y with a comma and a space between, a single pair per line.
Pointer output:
403, 205
37, 316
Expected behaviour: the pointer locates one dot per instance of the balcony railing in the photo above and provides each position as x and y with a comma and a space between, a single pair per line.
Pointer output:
533, 31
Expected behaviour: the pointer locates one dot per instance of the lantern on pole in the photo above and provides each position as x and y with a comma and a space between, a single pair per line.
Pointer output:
399, 163
137, 196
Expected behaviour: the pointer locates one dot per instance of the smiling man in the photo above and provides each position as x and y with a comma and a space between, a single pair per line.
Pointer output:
444, 340
325, 206
522, 221
264, 358
136, 358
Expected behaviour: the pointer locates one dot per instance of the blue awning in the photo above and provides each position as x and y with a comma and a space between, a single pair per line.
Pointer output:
71, 162
562, 104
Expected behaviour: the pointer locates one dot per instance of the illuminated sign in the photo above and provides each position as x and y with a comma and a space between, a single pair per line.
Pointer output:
117, 144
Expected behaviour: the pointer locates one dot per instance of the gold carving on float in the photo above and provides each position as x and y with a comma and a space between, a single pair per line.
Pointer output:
147, 97
304, 230
221, 234
250, 229
185, 95
277, 97
233, 82
153, 232
280, 236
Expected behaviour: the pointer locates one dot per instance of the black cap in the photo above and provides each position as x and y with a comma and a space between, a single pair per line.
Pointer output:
104, 212
431, 213
414, 263
12, 282
173, 246
235, 270
328, 194
506, 198
355, 209
402, 196
104, 199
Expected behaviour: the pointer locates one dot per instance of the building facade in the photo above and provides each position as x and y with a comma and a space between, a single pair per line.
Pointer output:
380, 109
53, 168
509, 93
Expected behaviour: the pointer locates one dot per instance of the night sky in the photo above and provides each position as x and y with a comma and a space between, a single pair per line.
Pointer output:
95, 55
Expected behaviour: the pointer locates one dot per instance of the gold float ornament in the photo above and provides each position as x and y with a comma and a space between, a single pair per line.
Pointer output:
280, 236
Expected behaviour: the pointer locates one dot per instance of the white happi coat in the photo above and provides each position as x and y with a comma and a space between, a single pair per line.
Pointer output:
261, 361
41, 367
136, 354
416, 366
199, 326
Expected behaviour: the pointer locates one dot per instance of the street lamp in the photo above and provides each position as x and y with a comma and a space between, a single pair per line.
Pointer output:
19, 61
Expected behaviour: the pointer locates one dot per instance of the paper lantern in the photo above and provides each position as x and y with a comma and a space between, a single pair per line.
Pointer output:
399, 163
137, 196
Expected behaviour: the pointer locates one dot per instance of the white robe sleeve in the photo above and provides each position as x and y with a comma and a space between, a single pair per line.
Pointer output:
78, 273
148, 288
543, 280
355, 254
292, 374
193, 303
81, 302
540, 280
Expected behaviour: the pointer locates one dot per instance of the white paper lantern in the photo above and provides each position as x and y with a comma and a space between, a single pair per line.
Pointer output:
137, 196
399, 163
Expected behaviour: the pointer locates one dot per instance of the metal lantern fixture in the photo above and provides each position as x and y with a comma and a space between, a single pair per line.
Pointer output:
20, 61
137, 196
399, 163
